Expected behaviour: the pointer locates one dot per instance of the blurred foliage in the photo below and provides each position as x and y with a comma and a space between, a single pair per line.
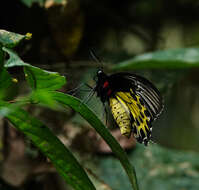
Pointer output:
29, 3
168, 59
158, 168
67, 25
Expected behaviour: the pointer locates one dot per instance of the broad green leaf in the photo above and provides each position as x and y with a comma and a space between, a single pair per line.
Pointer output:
168, 59
11, 39
44, 80
44, 98
5, 83
14, 59
36, 77
86, 113
50, 145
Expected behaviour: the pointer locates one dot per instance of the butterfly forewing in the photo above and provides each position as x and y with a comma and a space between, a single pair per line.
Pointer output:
148, 94
139, 121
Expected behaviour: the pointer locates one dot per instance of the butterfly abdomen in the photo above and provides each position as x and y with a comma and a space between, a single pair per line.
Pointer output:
121, 115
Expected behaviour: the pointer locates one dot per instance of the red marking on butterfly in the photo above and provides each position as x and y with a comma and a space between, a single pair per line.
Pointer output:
106, 84
109, 92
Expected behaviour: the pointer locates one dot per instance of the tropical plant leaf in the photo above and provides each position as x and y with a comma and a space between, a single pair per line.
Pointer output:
5, 82
1, 57
181, 58
11, 39
49, 144
14, 59
42, 79
86, 113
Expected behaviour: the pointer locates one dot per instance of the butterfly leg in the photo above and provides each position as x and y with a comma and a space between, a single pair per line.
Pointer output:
88, 86
87, 98
78, 88
106, 113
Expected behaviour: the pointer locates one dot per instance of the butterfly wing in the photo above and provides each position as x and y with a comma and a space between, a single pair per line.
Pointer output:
129, 114
149, 95
141, 100
139, 86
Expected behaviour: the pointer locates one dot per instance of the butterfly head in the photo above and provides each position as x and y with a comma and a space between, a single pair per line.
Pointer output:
101, 77
101, 74
103, 86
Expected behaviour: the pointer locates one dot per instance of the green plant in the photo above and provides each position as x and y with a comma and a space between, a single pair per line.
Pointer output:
43, 91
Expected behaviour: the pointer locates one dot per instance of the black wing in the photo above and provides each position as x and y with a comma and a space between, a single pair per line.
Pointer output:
148, 93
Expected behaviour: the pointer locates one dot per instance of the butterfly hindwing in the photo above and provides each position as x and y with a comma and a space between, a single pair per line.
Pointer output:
139, 122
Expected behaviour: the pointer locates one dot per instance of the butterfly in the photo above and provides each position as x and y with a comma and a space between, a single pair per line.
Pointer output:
133, 100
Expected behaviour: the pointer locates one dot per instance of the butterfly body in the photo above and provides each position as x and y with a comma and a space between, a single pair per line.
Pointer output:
133, 100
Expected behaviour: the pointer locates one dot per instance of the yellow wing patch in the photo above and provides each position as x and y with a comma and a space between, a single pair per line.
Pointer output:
130, 113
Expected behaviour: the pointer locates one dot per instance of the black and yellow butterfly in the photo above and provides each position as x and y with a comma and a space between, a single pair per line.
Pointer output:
134, 102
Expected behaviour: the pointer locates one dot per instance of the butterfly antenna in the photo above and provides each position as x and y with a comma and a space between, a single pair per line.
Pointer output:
95, 57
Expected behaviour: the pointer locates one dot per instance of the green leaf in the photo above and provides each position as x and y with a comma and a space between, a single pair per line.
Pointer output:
50, 145
14, 59
11, 39
44, 98
5, 83
1, 57
41, 79
36, 77
168, 59
86, 113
